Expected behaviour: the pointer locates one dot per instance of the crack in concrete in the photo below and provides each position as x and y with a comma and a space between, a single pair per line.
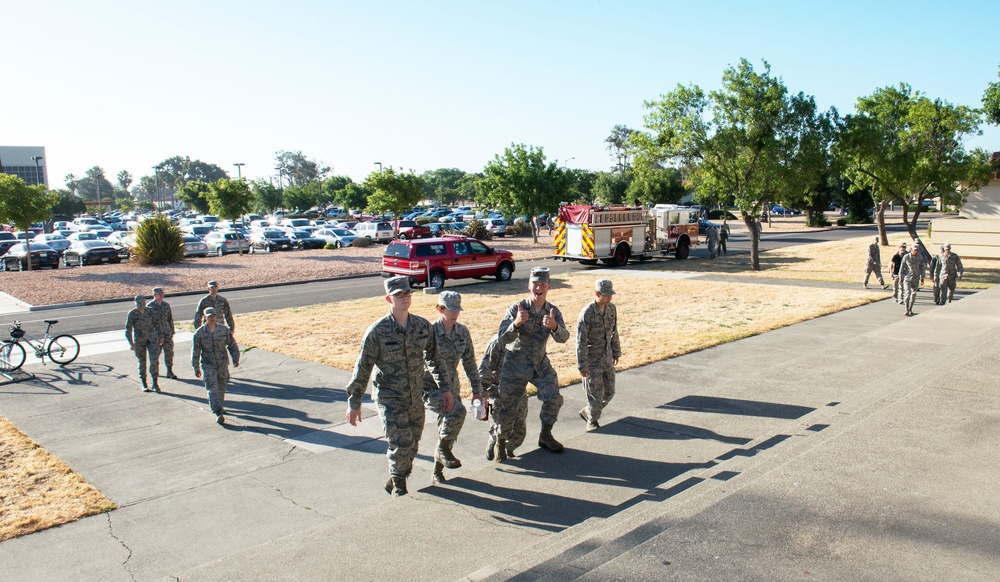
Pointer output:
290, 451
111, 530
282, 495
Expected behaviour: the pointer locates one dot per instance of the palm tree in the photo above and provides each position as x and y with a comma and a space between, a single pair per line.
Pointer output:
71, 182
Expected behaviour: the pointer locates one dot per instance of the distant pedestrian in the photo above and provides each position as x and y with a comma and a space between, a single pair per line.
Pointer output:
951, 272
164, 319
723, 237
713, 241
144, 339
597, 351
401, 347
218, 303
910, 270
209, 348
524, 332
937, 262
874, 264
454, 345
894, 265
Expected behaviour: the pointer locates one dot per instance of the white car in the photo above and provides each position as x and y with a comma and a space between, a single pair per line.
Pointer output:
82, 235
338, 237
496, 226
219, 243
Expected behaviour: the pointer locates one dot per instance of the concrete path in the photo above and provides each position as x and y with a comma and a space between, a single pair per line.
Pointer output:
857, 446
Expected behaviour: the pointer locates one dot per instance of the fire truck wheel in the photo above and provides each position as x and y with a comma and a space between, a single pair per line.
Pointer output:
621, 256
682, 250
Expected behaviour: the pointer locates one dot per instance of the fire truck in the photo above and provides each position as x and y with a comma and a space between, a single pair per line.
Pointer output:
617, 234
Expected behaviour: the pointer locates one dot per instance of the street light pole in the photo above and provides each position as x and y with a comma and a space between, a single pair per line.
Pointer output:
379, 164
239, 166
156, 195
97, 180
38, 180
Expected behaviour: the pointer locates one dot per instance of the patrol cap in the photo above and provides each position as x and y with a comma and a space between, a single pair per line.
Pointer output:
140, 299
397, 285
947, 247
604, 287
942, 247
450, 300
539, 275
209, 311
902, 245
157, 290
213, 284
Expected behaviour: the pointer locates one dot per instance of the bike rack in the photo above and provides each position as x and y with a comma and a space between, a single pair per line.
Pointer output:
21, 376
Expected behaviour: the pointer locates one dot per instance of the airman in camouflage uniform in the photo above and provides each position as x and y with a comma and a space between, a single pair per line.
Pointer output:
209, 346
524, 332
937, 261
911, 268
597, 351
164, 319
454, 345
489, 371
144, 339
401, 347
874, 264
713, 241
951, 272
894, 264
216, 302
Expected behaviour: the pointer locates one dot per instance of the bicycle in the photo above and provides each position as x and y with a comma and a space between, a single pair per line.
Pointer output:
61, 349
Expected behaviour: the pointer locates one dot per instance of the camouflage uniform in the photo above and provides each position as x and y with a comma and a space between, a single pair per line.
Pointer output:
489, 371
453, 348
209, 346
526, 361
951, 270
874, 264
911, 268
164, 319
937, 261
597, 347
723, 237
713, 242
222, 310
895, 262
400, 357
143, 336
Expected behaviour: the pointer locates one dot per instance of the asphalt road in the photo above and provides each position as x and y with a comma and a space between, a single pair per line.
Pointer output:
111, 316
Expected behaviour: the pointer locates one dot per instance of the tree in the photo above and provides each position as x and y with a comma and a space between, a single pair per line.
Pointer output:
22, 205
902, 146
298, 169
230, 199
991, 102
331, 188
581, 185
194, 195
656, 185
523, 183
301, 198
394, 192
176, 171
71, 183
87, 187
443, 185
742, 149
268, 197
354, 196
618, 144
68, 204
611, 187
124, 180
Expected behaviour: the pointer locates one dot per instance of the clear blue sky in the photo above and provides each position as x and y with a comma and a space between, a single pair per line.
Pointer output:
423, 85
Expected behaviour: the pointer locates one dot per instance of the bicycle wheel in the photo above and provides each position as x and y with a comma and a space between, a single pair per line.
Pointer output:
11, 356
63, 349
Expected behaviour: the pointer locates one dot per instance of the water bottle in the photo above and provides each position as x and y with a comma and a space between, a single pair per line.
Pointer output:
479, 409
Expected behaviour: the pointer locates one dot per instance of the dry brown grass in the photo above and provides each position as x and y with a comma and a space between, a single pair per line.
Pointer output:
37, 490
709, 314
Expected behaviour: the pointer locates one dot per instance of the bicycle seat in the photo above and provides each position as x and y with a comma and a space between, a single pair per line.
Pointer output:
51, 321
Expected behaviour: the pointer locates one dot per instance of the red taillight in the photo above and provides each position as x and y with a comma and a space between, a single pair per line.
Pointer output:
414, 265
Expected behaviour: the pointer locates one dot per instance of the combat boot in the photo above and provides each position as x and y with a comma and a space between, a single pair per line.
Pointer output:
438, 477
398, 486
444, 455
170, 374
388, 486
145, 386
156, 386
490, 445
500, 450
547, 441
591, 423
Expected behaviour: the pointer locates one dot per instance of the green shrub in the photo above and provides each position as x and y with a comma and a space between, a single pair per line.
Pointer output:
422, 220
362, 242
158, 241
476, 229
518, 229
841, 222
329, 246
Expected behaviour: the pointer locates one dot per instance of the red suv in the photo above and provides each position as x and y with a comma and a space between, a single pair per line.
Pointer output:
409, 229
432, 260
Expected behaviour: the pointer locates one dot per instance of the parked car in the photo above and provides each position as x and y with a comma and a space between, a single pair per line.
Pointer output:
295, 222
23, 235
268, 240
338, 237
220, 243
42, 255
194, 246
82, 235
782, 211
5, 245
348, 224
58, 242
303, 239
497, 226
123, 242
199, 230
433, 260
376, 231
410, 229
90, 252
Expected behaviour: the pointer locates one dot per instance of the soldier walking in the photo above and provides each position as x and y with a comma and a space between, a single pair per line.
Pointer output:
209, 346
713, 242
524, 332
144, 339
910, 270
489, 371
937, 261
874, 264
216, 302
164, 319
597, 351
401, 347
454, 345
894, 264
951, 272
723, 237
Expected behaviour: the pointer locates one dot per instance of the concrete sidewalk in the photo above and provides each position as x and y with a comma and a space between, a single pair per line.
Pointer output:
860, 445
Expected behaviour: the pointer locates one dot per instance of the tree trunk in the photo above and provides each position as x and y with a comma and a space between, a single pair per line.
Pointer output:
534, 230
27, 248
880, 222
750, 220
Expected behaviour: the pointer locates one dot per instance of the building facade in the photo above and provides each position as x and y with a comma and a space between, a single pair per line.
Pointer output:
25, 162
